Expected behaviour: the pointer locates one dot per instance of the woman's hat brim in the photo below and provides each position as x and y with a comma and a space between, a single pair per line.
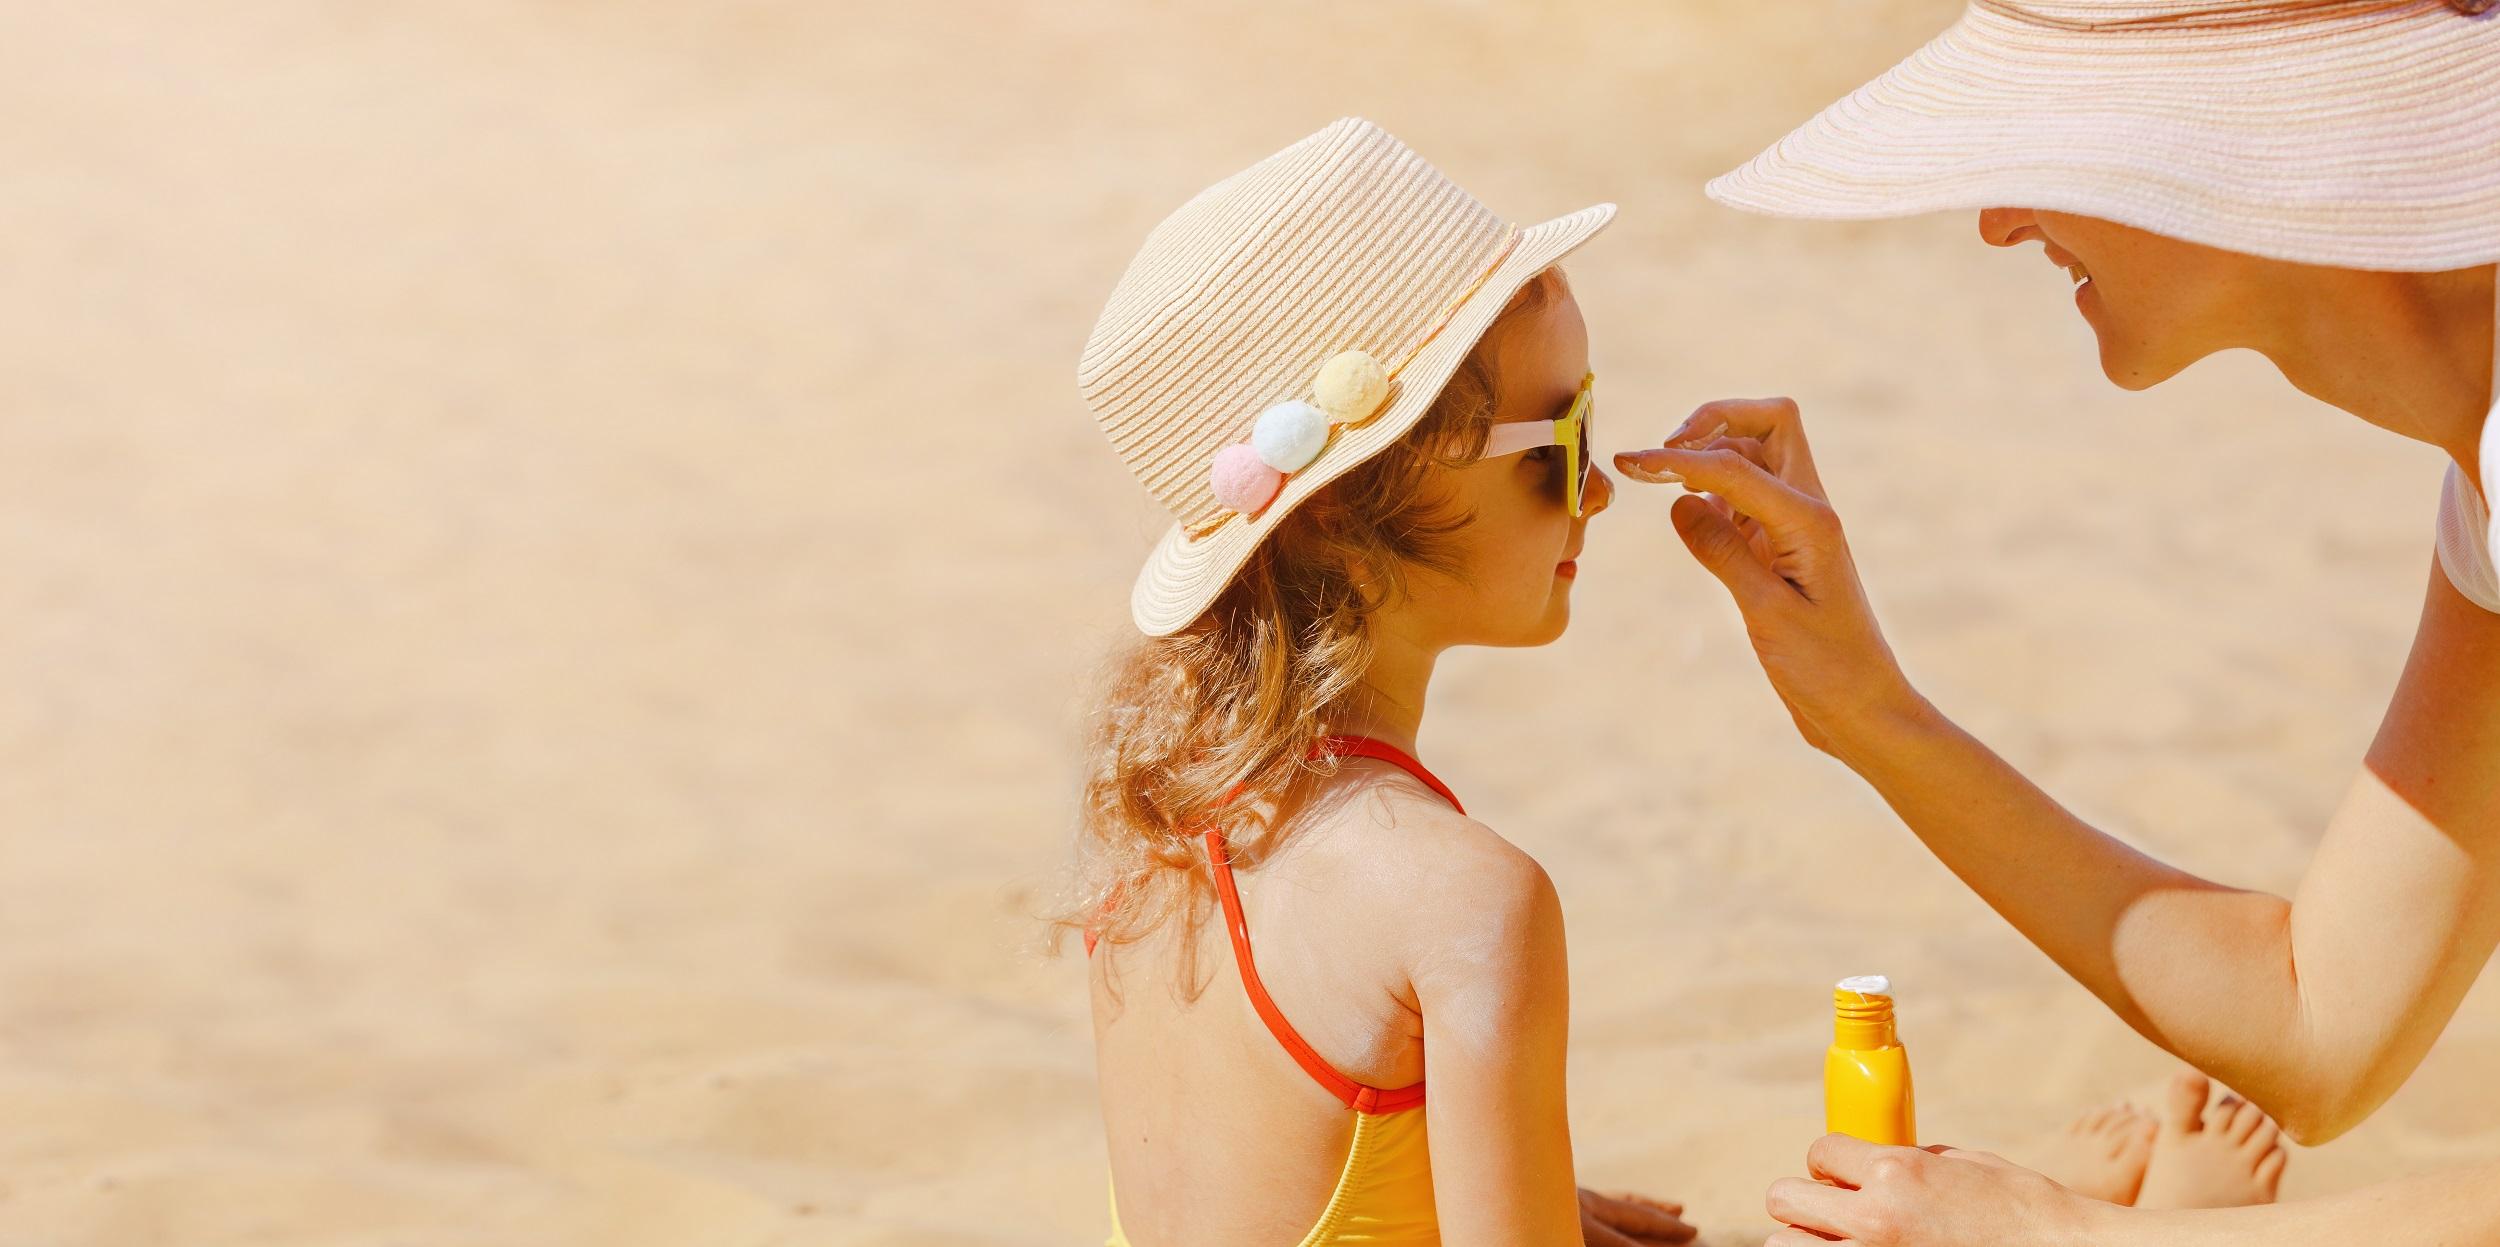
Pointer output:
1183, 576
2361, 142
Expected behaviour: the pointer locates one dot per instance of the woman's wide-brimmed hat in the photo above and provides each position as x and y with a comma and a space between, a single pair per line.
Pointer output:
1285, 325
2353, 133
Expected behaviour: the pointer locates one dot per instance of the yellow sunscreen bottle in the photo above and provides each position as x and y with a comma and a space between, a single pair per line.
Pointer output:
1866, 1075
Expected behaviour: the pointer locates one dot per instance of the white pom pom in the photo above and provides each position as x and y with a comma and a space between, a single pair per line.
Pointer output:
1288, 435
1350, 387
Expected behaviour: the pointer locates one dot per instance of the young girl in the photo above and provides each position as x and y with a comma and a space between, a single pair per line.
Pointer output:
1365, 400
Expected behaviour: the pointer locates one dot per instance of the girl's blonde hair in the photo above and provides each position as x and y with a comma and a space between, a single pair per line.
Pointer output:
1226, 711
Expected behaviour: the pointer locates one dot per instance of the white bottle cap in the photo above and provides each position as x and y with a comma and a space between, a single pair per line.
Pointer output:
1866, 985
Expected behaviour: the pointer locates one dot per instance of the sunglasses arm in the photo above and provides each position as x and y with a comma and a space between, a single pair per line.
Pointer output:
1518, 435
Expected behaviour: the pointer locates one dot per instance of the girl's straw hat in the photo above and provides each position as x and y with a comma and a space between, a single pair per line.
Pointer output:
1290, 322
2353, 133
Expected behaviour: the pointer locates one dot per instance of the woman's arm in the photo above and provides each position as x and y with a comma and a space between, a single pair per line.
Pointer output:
1918, 1197
2316, 1007
2429, 1209
1493, 983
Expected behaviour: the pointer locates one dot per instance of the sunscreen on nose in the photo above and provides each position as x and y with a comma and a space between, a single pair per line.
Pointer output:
1866, 1074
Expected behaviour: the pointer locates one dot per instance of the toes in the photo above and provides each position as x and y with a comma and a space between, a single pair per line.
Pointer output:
2102, 1122
2117, 1129
2246, 1120
2183, 1102
2270, 1170
2217, 1115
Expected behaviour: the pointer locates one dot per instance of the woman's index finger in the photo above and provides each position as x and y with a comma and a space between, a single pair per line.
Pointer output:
1756, 418
1841, 1158
1767, 499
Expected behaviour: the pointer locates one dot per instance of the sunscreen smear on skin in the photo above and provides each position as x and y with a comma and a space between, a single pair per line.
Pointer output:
1866, 1073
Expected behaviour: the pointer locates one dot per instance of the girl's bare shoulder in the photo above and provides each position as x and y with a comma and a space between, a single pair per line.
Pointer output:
1443, 878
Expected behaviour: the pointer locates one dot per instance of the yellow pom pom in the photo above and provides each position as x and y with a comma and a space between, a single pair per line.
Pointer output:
1350, 387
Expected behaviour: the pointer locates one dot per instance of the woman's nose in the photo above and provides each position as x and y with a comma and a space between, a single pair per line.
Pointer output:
2005, 227
1599, 492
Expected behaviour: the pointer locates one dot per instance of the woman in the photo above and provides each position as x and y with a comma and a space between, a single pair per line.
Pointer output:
1365, 400
2316, 181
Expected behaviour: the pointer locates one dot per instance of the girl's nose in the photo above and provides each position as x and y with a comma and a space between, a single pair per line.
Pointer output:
1599, 492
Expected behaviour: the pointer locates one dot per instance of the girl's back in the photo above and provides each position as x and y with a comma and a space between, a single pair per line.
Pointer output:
1218, 1131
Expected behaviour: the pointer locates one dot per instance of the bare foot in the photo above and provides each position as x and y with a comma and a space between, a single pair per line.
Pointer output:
2101, 1153
2221, 1154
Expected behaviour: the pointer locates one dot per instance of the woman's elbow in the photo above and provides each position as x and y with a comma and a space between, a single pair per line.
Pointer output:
2310, 1124
2321, 1107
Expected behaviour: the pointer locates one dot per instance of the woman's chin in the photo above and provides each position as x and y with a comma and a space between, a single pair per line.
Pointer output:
2126, 357
2129, 372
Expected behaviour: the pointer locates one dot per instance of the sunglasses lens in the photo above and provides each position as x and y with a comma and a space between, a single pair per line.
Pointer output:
1580, 483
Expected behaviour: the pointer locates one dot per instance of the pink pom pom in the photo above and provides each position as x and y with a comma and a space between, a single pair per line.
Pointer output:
1242, 482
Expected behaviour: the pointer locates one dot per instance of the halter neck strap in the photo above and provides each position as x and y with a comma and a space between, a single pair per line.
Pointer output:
1366, 747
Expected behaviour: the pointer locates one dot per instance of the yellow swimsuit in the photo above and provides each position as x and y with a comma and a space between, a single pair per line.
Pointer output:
1384, 1193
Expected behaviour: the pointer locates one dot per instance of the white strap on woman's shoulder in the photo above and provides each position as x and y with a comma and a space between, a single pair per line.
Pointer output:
2468, 532
2465, 539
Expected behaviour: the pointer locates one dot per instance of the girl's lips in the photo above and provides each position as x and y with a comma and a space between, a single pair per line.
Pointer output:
1567, 568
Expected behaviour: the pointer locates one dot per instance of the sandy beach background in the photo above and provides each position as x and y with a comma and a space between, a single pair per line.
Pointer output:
549, 552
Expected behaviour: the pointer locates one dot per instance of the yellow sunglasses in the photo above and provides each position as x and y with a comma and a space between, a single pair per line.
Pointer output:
1570, 431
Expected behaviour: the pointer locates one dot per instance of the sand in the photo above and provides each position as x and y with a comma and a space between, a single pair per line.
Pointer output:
551, 554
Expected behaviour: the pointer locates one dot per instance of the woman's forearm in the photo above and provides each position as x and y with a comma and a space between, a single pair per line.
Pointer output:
2457, 1207
2203, 970
2317, 1007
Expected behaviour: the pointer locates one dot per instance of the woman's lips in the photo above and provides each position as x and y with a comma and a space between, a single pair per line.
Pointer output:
2075, 271
1567, 568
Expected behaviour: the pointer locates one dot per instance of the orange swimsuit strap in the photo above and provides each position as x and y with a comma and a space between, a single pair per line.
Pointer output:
1360, 1097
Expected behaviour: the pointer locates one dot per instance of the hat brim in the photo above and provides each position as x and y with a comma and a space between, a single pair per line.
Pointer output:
2362, 143
1183, 576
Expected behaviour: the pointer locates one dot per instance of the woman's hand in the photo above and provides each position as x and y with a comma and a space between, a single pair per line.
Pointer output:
1764, 528
1627, 1220
1926, 1197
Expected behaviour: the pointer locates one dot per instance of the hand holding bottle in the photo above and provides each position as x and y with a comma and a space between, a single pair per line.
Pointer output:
1938, 1196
